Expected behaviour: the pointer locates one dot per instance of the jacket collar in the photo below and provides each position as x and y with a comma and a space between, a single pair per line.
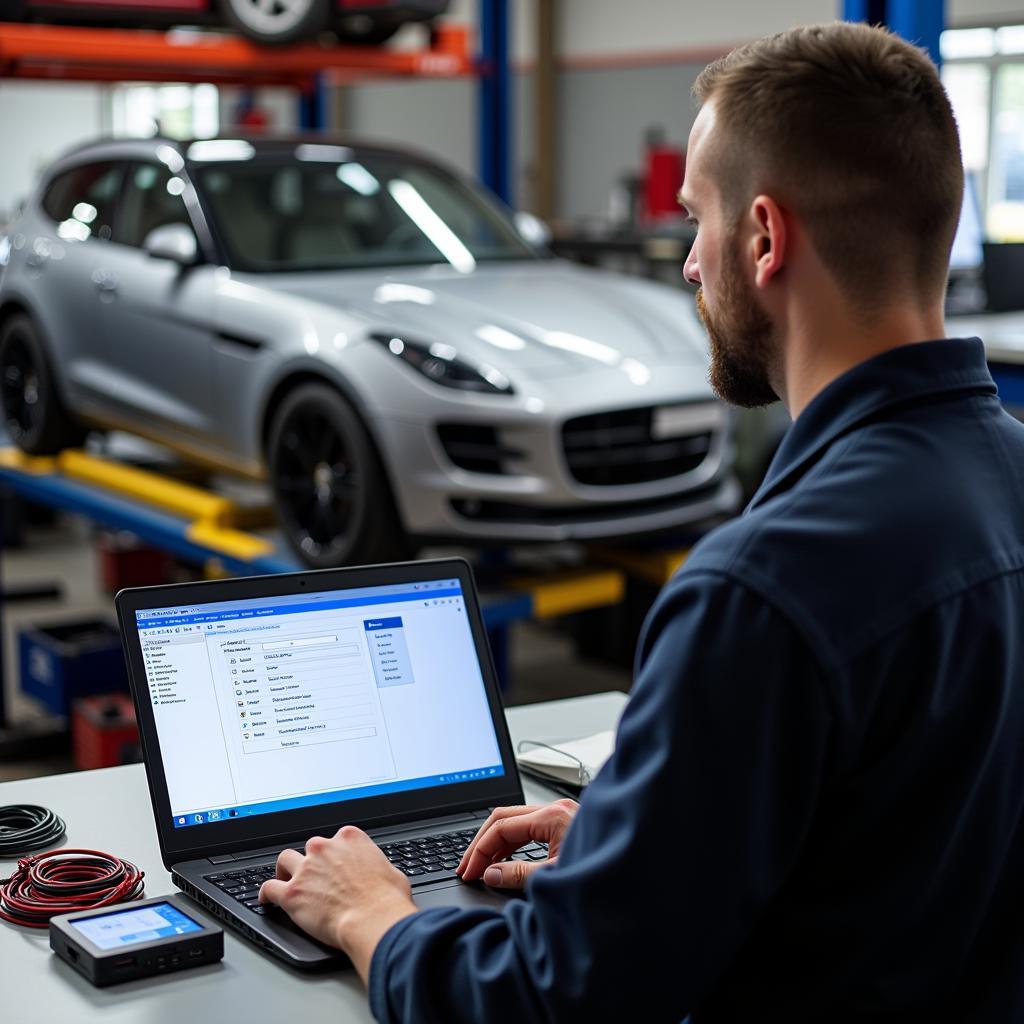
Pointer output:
899, 376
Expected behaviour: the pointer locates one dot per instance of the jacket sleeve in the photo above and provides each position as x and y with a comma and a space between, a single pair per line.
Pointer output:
680, 843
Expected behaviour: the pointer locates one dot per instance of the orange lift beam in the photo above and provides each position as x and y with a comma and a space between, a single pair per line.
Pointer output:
134, 55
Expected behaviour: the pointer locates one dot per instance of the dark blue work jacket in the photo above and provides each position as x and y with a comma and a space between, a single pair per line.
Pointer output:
815, 811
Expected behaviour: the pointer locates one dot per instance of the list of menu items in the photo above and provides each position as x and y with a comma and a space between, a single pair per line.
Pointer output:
297, 692
163, 672
389, 651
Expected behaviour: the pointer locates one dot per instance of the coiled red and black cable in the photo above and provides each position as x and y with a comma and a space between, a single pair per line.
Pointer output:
64, 881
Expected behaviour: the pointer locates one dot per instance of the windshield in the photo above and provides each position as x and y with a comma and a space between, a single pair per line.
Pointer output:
366, 210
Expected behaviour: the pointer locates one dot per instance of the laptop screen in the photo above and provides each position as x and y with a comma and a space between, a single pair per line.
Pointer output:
276, 703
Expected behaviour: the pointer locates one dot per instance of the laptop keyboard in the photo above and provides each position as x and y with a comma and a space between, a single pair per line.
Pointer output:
423, 859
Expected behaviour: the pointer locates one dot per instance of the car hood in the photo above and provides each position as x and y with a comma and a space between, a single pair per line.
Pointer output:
545, 317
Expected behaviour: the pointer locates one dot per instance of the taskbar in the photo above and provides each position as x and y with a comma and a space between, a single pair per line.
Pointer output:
218, 814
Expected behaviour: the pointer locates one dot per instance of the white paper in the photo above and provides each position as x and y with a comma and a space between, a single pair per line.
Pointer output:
593, 751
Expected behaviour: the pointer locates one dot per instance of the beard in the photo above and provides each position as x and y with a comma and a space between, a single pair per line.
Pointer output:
744, 348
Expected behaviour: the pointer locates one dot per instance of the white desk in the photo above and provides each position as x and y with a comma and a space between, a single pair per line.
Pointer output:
1002, 333
110, 810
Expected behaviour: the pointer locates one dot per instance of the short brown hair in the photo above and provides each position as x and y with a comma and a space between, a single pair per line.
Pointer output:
850, 127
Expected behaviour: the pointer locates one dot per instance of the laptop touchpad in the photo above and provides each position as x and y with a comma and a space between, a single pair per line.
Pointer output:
458, 895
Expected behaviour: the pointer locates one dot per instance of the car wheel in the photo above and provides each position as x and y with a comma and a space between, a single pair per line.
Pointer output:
277, 21
365, 30
333, 499
35, 417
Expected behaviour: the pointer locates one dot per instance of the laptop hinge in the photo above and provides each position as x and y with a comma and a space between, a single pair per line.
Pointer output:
222, 858
446, 819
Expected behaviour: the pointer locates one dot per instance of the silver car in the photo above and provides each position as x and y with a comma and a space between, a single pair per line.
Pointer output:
367, 329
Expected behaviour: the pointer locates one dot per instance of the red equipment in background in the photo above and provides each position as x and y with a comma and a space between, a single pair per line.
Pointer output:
103, 731
663, 177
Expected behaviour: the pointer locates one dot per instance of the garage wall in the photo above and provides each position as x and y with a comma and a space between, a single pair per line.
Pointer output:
606, 114
39, 120
968, 13
600, 28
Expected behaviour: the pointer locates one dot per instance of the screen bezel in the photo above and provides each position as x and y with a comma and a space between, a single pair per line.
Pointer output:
234, 835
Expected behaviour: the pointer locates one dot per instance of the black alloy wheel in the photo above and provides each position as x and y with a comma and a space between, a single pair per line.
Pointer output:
332, 497
33, 412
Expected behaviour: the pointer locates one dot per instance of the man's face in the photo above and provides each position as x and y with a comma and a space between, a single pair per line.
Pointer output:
744, 342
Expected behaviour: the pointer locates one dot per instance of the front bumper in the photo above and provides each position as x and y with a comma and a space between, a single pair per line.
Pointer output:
536, 498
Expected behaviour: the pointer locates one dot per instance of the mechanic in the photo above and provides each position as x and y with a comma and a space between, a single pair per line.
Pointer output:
815, 809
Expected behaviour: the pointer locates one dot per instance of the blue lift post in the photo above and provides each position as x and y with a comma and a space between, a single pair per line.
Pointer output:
919, 21
494, 108
313, 105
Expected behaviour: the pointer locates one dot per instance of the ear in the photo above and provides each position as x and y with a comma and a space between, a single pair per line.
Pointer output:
768, 242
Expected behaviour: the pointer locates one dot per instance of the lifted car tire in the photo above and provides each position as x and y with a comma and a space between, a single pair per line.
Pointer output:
277, 22
34, 414
332, 497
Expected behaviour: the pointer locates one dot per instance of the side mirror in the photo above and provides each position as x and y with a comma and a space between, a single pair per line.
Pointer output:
532, 229
175, 242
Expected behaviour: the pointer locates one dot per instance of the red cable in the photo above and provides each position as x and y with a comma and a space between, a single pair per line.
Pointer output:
64, 881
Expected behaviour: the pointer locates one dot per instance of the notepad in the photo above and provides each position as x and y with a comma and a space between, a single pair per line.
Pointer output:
561, 761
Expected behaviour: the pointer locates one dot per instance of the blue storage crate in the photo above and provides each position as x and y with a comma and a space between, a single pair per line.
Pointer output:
62, 662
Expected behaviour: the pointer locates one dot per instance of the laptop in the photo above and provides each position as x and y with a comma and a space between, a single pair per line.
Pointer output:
275, 708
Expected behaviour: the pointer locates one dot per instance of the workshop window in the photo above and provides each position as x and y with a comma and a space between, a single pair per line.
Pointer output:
983, 72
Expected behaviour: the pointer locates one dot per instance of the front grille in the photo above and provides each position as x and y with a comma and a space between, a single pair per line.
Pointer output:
475, 448
612, 449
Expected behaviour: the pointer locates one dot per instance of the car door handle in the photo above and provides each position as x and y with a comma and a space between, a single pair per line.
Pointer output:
106, 283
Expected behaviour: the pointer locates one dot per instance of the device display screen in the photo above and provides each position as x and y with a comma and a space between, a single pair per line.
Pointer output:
141, 924
278, 703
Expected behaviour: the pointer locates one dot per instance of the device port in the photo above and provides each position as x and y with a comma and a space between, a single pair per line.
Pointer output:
125, 961
72, 954
195, 954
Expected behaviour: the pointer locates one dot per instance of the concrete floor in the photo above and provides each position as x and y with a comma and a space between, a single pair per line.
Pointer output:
544, 661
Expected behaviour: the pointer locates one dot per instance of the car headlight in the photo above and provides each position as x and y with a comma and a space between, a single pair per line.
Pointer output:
440, 364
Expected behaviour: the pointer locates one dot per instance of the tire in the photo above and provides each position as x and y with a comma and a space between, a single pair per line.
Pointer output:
365, 30
276, 22
332, 496
36, 418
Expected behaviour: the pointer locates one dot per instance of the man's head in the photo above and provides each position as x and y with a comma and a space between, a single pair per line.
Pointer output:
828, 150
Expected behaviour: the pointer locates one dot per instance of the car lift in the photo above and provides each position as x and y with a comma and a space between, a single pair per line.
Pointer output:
136, 55
209, 530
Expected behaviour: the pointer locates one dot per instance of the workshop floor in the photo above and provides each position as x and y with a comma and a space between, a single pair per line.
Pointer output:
544, 661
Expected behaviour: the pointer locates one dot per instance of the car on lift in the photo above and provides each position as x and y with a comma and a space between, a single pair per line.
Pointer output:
373, 332
265, 21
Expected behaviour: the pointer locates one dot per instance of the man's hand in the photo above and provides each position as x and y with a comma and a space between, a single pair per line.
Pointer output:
342, 892
504, 832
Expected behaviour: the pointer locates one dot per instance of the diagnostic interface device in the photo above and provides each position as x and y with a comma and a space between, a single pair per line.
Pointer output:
126, 942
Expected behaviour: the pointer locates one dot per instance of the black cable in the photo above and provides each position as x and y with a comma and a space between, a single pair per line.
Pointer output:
25, 827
